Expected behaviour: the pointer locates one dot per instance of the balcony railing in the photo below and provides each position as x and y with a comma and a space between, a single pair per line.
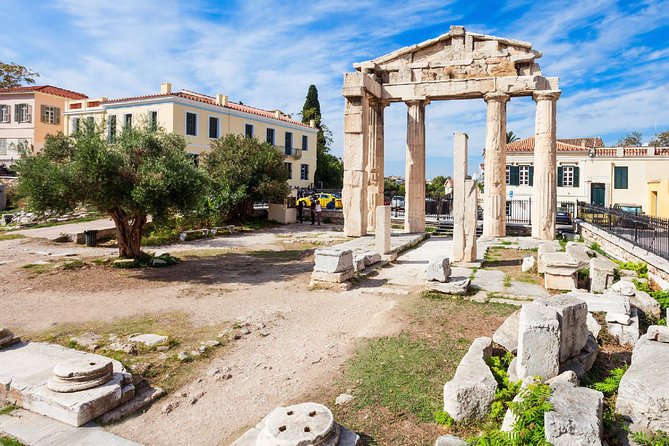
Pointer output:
290, 151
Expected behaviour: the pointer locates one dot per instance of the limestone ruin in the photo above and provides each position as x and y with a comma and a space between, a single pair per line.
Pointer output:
455, 65
465, 204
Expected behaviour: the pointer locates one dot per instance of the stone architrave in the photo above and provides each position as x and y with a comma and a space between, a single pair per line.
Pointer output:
471, 219
573, 317
375, 160
538, 342
354, 192
544, 190
383, 228
459, 175
414, 204
494, 190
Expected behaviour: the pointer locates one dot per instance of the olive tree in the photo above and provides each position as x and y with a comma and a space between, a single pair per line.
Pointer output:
143, 172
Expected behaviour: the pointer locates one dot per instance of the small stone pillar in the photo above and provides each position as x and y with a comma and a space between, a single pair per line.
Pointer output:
471, 218
494, 190
383, 229
354, 192
544, 190
459, 175
414, 204
375, 171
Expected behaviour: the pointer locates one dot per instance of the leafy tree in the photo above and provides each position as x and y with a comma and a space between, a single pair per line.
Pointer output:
330, 169
141, 173
390, 187
436, 187
13, 75
244, 171
633, 139
660, 140
511, 137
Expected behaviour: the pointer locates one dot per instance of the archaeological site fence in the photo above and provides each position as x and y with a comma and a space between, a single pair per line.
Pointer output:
644, 231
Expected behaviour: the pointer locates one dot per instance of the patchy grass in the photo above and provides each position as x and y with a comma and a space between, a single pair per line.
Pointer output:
70, 265
287, 254
36, 269
508, 261
507, 281
7, 441
398, 380
11, 237
7, 409
161, 369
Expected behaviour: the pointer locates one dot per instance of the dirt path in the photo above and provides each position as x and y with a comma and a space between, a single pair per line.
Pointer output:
311, 333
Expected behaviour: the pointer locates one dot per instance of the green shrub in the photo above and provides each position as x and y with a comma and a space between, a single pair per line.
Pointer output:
610, 384
442, 417
653, 439
598, 249
641, 268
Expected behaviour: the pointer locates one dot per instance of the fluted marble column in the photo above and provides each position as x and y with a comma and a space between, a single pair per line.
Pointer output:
544, 189
375, 158
494, 186
414, 203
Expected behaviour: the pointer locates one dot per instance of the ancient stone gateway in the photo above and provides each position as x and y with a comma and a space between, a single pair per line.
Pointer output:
456, 65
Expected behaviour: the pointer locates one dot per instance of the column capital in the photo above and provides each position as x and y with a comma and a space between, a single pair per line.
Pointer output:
496, 97
546, 95
416, 101
378, 102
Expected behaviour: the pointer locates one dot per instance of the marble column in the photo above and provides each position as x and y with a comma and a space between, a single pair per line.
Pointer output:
471, 218
414, 202
354, 193
494, 186
375, 158
383, 230
459, 176
544, 189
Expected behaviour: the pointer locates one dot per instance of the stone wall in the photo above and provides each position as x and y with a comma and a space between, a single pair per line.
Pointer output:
658, 268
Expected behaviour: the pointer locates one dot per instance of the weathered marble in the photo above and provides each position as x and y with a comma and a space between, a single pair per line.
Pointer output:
494, 190
414, 203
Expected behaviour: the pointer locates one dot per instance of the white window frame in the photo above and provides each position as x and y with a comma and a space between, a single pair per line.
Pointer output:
305, 143
273, 142
5, 114
304, 168
24, 116
76, 125
568, 176
508, 174
148, 118
125, 120
524, 175
218, 126
197, 119
50, 111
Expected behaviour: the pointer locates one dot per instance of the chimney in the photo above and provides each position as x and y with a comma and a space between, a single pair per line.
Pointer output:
312, 123
277, 114
166, 88
221, 100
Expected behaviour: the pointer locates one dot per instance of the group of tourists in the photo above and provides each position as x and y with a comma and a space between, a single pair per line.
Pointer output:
315, 210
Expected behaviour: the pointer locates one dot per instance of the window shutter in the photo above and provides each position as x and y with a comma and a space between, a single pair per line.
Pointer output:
30, 113
17, 113
531, 175
56, 113
514, 176
576, 175
560, 175
625, 177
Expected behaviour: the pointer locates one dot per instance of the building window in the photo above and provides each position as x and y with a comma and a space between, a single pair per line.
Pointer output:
289, 168
3, 147
568, 176
508, 175
22, 113
304, 172
620, 177
248, 130
153, 120
213, 127
76, 125
288, 143
111, 136
127, 120
524, 174
305, 143
50, 114
4, 113
191, 124
271, 137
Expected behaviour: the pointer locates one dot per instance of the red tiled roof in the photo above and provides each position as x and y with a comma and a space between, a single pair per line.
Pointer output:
211, 101
48, 89
563, 145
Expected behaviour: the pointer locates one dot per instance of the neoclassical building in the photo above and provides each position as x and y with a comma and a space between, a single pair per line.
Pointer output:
455, 65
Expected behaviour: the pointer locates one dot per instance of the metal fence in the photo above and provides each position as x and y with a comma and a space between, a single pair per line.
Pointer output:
650, 233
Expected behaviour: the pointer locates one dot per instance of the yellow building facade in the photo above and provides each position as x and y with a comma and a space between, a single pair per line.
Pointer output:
202, 119
658, 198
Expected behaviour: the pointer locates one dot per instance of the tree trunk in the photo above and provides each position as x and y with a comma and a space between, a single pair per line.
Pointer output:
128, 233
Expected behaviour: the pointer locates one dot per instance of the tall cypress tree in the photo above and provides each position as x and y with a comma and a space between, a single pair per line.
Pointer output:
330, 169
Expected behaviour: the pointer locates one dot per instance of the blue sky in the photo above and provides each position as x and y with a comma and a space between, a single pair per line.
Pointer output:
612, 57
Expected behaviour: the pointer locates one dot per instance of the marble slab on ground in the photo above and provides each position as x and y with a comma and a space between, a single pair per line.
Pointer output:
489, 280
33, 429
526, 289
398, 242
26, 367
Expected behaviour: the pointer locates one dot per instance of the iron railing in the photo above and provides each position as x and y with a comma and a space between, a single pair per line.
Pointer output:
644, 231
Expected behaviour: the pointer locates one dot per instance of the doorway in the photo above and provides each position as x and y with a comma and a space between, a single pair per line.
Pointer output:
597, 194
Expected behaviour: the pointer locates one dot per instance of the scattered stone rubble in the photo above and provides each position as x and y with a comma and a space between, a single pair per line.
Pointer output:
7, 338
333, 265
643, 395
553, 341
438, 275
301, 424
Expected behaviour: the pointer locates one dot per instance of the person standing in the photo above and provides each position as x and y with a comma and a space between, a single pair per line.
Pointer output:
318, 212
312, 209
300, 210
